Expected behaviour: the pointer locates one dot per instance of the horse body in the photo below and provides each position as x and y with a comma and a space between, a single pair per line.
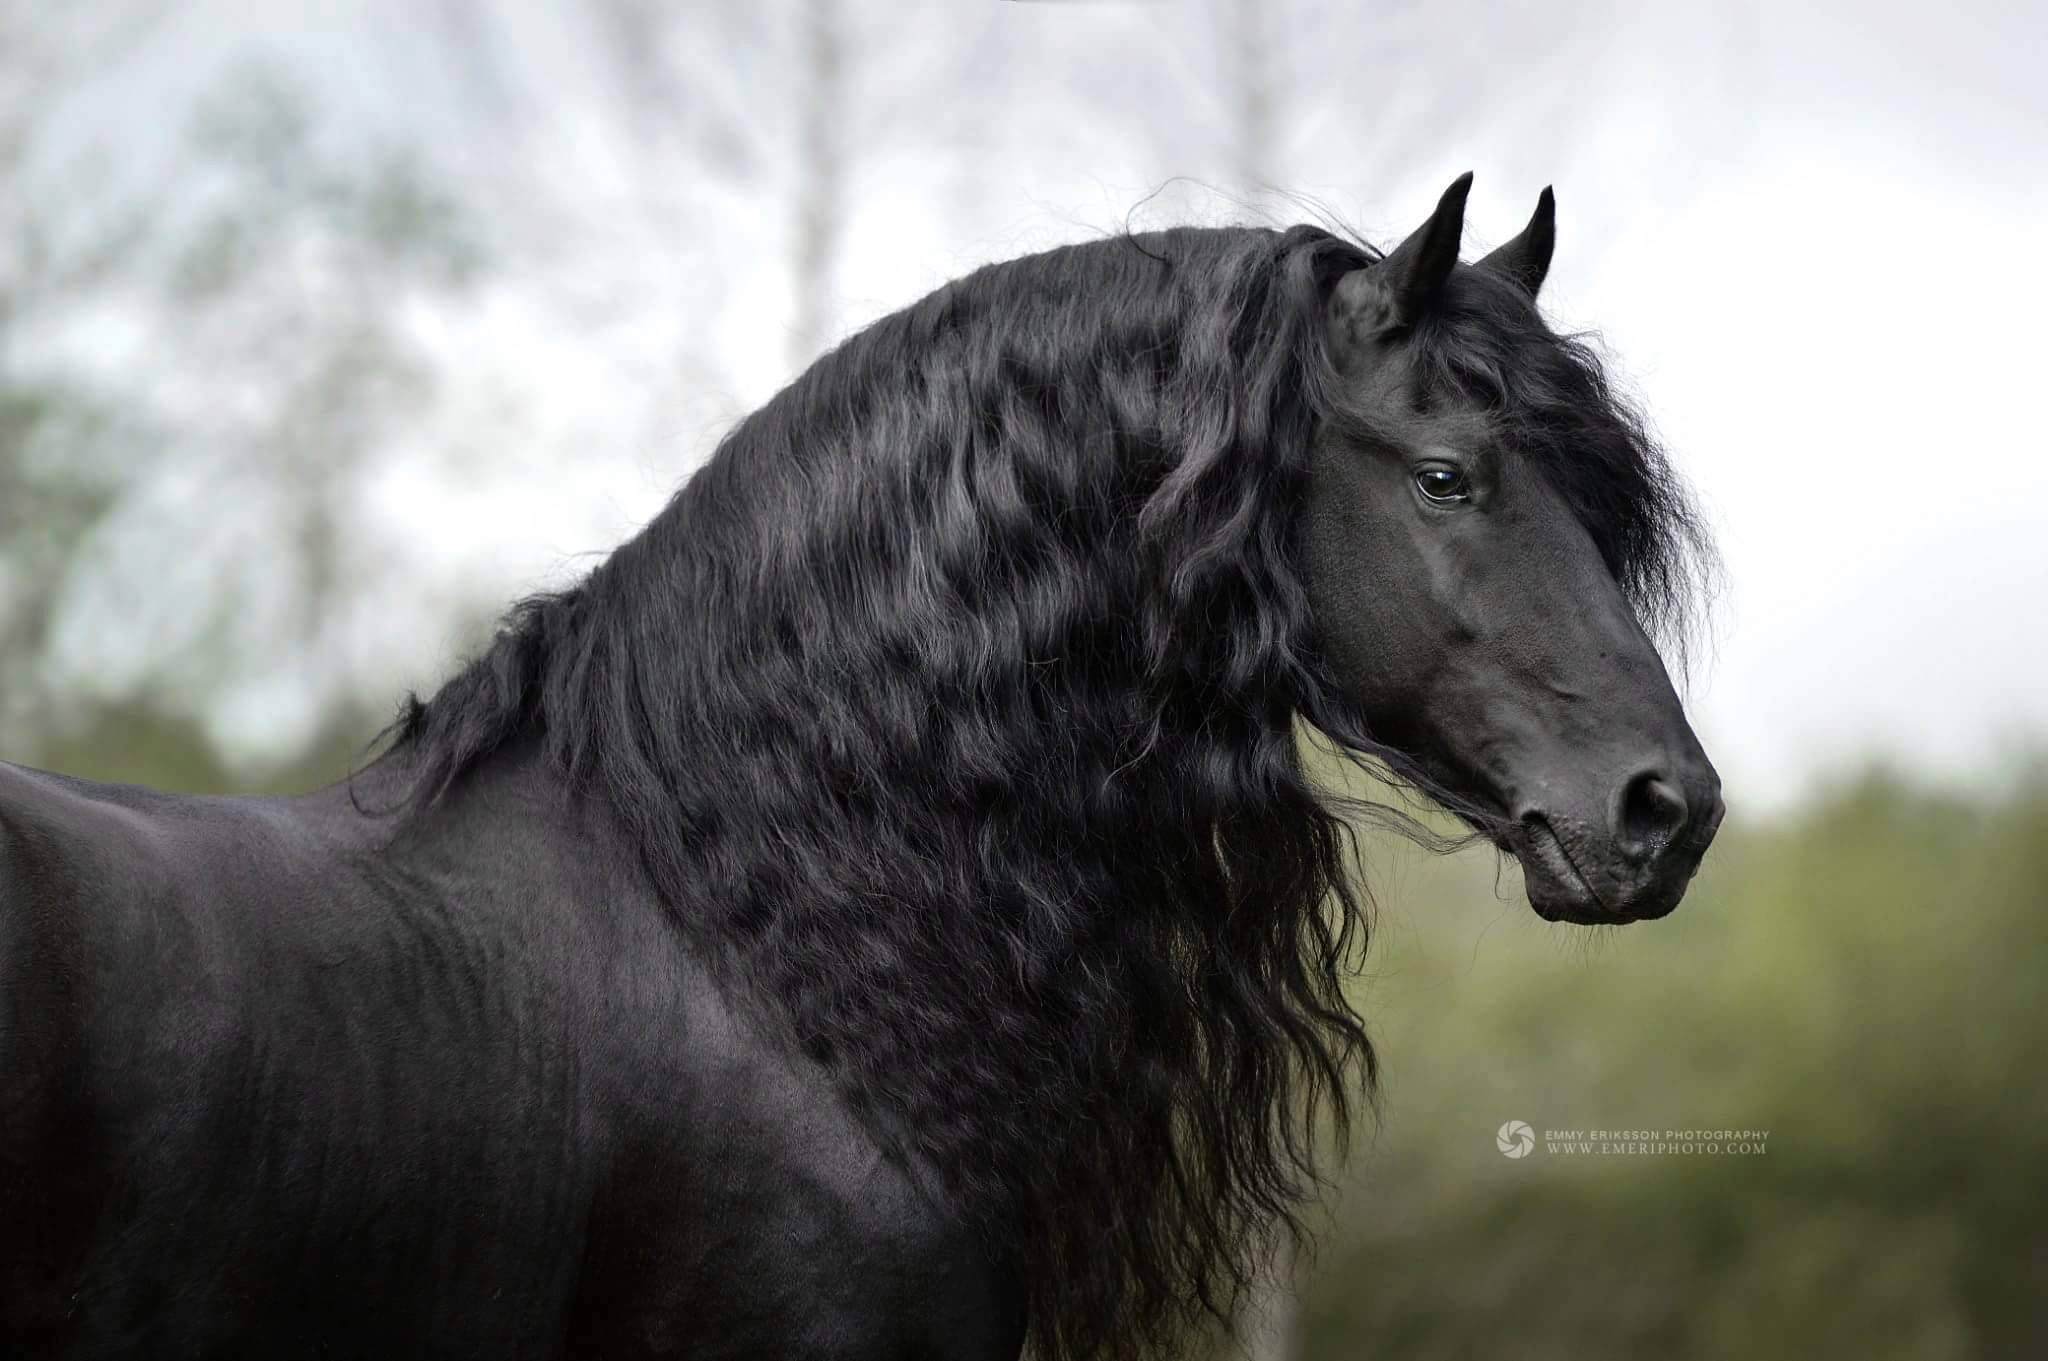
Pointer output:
299, 1087
883, 910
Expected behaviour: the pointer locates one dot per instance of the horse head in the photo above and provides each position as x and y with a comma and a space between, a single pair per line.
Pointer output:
1487, 533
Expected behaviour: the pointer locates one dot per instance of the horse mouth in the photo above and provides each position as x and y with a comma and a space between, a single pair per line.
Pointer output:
1558, 890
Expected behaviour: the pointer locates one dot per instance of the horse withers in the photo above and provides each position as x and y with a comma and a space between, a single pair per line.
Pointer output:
883, 910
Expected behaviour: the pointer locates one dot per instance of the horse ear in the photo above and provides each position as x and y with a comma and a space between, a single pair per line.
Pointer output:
1395, 291
1526, 259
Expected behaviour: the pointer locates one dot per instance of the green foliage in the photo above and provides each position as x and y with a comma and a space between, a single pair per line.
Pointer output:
138, 743
1860, 978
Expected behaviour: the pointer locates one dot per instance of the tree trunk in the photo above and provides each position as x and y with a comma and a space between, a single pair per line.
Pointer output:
819, 176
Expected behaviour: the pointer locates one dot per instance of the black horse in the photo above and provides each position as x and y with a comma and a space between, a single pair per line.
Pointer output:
883, 910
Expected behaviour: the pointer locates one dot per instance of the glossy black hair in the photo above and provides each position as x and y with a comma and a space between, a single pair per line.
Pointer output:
953, 706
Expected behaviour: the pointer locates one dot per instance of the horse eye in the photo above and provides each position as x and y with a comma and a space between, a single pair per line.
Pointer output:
1440, 482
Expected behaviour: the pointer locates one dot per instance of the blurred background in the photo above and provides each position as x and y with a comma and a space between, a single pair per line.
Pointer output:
327, 328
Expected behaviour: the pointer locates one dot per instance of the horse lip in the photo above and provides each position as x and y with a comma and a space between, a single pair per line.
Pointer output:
1543, 846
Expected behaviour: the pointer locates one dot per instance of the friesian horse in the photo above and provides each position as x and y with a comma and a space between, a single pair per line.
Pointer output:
882, 911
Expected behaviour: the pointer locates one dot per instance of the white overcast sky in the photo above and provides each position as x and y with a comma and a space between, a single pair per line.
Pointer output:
1811, 236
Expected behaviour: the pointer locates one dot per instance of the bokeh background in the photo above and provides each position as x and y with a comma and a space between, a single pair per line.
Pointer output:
327, 328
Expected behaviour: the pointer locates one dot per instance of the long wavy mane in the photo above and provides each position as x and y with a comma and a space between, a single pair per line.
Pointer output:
953, 707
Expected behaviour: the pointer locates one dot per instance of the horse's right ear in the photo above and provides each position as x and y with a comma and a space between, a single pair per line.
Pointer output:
1395, 291
1526, 259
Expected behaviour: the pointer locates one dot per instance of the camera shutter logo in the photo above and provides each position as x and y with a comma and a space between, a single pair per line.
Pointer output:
1516, 1139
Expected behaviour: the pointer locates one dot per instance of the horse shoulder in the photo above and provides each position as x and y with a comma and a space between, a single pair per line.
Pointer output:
68, 850
42, 1178
81, 876
748, 1213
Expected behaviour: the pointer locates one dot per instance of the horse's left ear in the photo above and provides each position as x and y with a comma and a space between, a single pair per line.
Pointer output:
1395, 291
1526, 259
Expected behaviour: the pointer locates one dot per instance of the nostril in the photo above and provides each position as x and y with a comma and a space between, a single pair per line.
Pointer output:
1652, 813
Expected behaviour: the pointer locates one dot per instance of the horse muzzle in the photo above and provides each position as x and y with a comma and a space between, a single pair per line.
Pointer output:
1632, 862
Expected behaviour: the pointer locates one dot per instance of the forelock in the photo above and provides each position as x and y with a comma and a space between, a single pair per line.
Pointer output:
1550, 400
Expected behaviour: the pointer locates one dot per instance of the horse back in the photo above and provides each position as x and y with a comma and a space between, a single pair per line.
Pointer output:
265, 1080
244, 1095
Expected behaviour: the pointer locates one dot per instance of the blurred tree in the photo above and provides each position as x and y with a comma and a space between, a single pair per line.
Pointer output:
772, 103
49, 496
182, 471
1249, 58
820, 175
